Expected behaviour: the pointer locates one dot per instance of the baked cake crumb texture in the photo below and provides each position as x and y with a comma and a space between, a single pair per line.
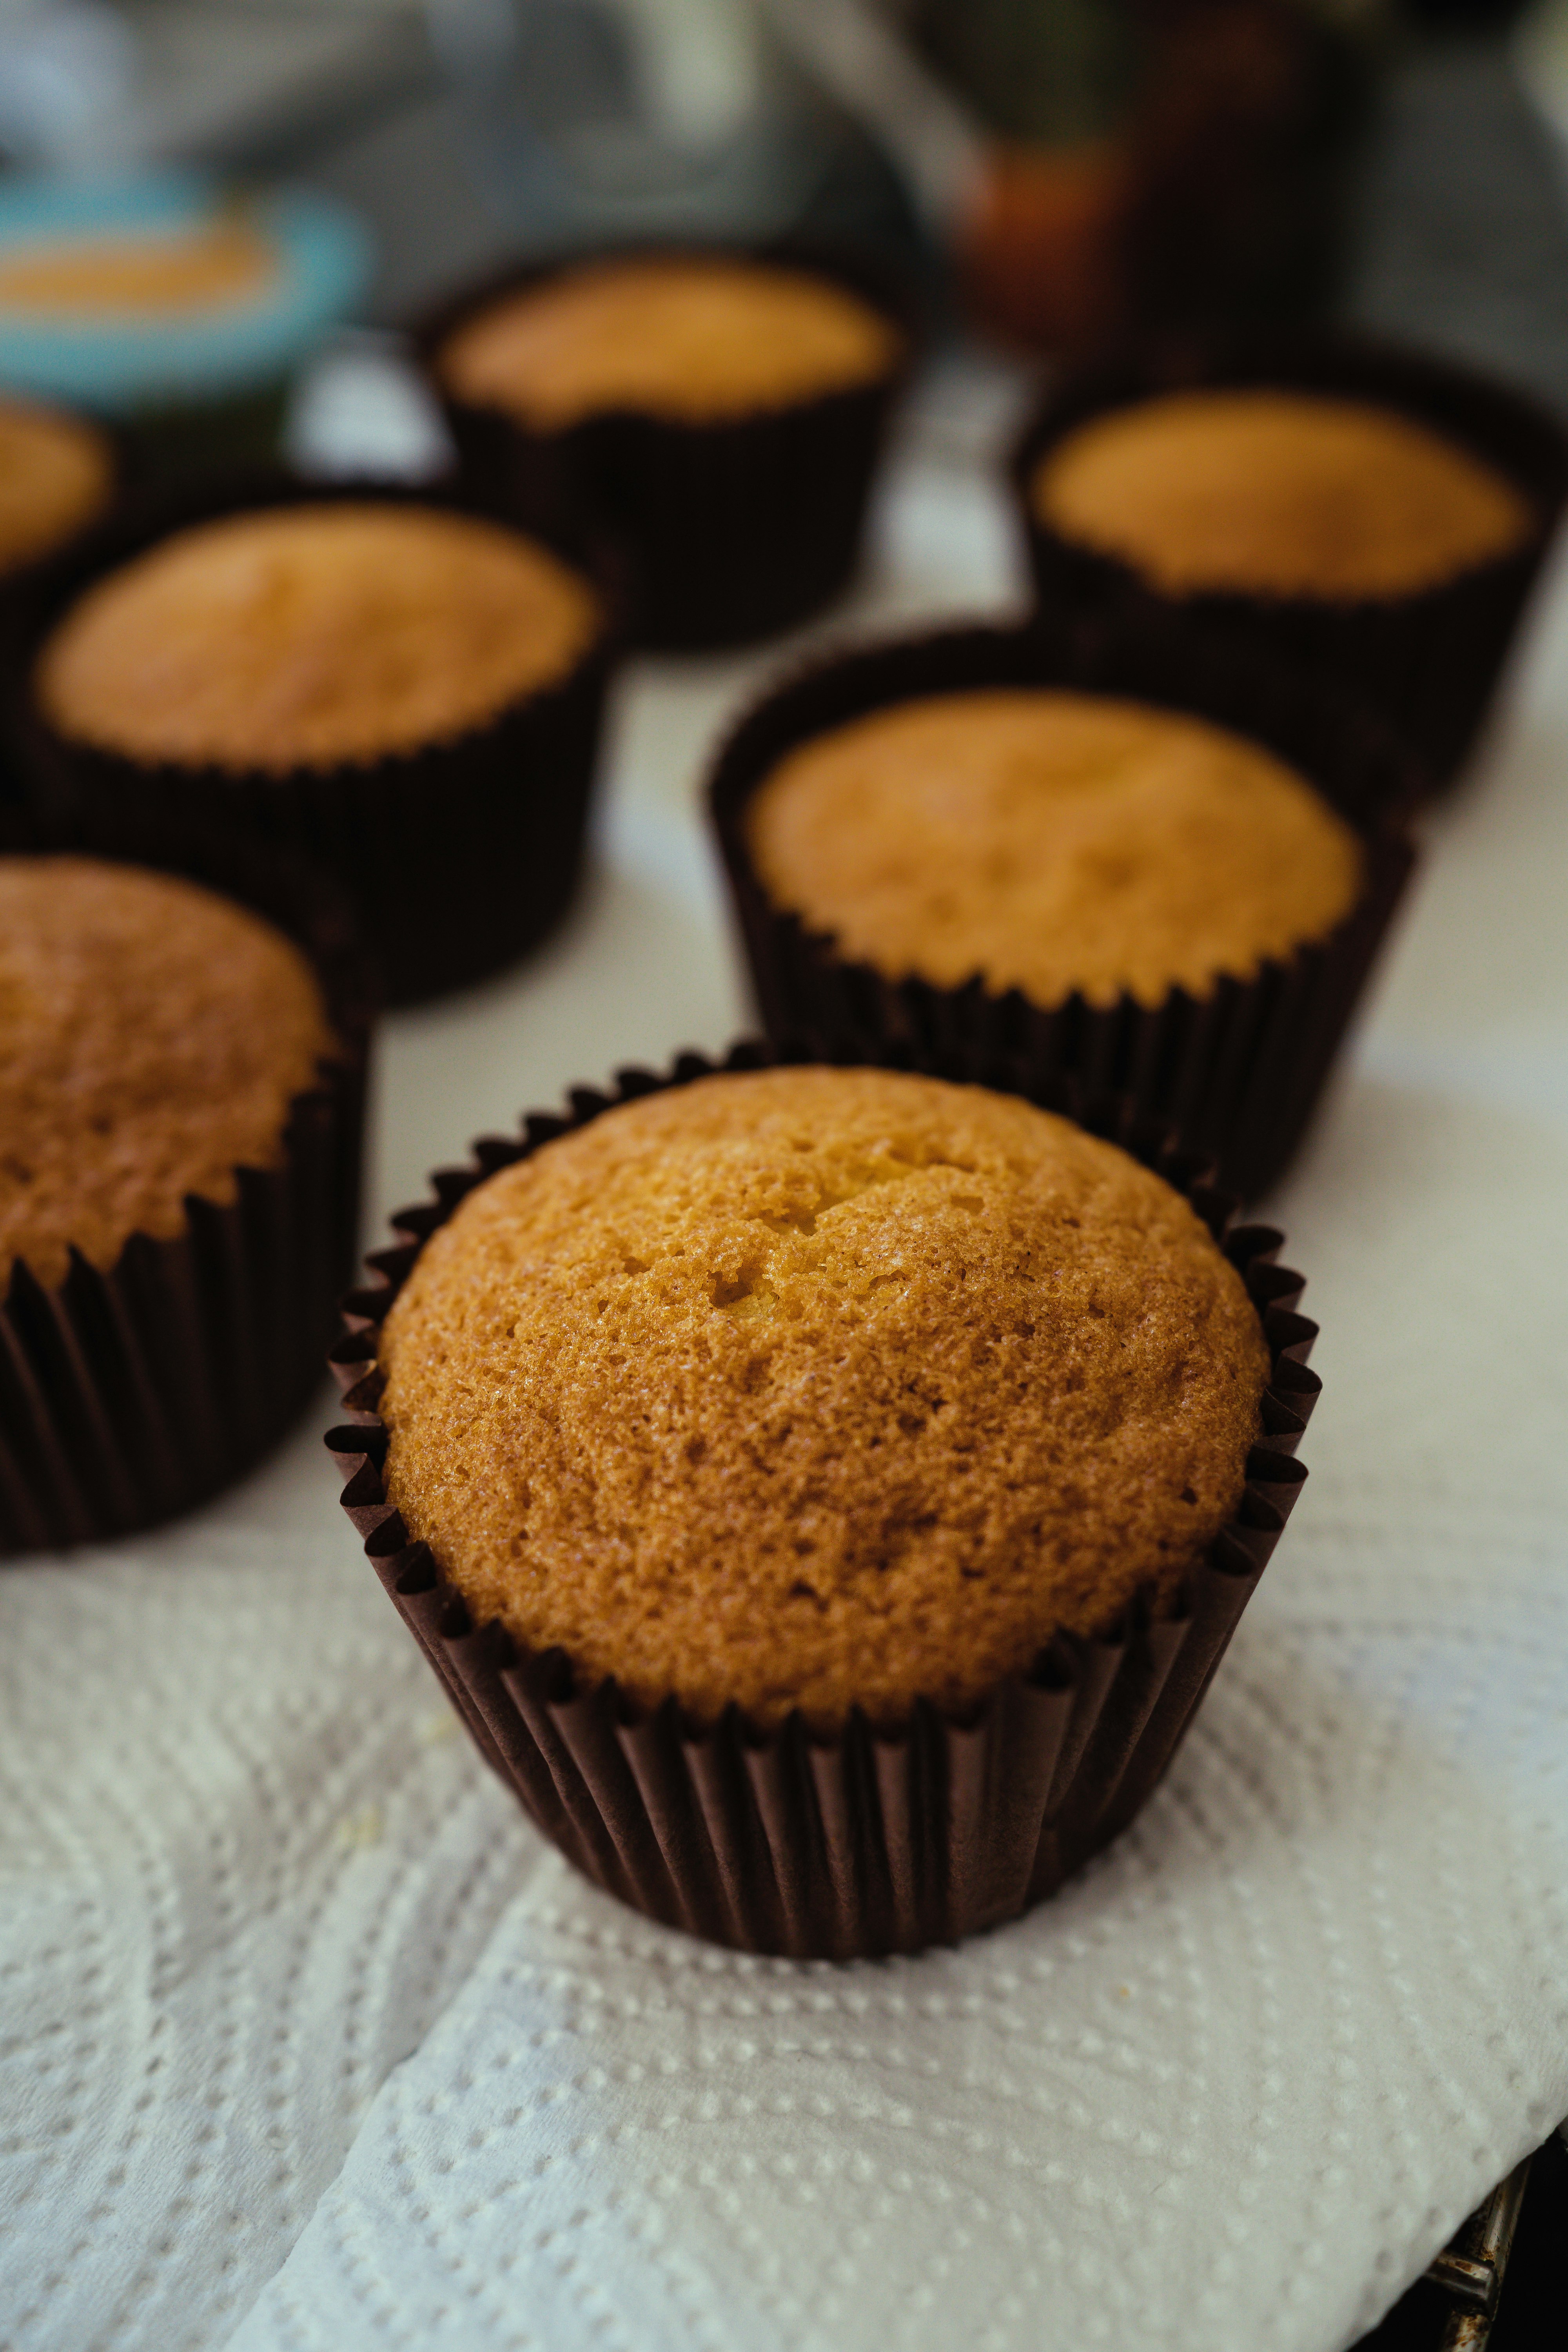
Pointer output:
818, 1388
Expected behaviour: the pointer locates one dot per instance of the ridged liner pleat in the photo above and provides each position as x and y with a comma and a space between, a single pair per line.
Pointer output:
1237, 1072
458, 857
128, 1396
1428, 662
735, 530
868, 1842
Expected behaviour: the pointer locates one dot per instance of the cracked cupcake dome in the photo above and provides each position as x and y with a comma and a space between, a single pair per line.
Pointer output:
818, 1388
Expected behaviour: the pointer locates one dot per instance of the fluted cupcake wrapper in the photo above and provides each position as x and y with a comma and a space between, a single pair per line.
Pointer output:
734, 530
459, 856
1237, 1071
129, 1394
1430, 662
869, 1841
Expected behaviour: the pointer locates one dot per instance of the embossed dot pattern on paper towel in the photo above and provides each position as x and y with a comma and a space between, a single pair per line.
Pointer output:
205, 1979
1142, 2113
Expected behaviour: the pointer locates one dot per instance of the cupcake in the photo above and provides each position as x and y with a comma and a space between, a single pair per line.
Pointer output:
1133, 862
170, 307
409, 693
1256, 490
721, 412
777, 1432
1366, 511
56, 475
181, 1095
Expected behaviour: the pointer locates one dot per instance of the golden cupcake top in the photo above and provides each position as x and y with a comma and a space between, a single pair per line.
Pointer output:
206, 265
304, 636
56, 475
151, 1037
697, 340
1275, 493
818, 1388
1050, 841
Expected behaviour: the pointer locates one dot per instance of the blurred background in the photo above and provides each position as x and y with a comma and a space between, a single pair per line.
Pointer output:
1060, 172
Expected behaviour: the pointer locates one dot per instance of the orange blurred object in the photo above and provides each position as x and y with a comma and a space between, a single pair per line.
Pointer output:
1219, 197
1042, 256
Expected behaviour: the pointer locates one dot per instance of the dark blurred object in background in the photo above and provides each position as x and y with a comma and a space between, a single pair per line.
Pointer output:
596, 119
1153, 163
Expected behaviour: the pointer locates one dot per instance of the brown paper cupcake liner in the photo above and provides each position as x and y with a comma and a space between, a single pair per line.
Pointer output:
735, 531
128, 1396
458, 857
866, 1842
1236, 1071
1428, 662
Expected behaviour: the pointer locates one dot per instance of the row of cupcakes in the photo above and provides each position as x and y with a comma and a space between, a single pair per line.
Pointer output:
1244, 830
835, 1753
1367, 511
1370, 512
410, 693
234, 649
824, 1492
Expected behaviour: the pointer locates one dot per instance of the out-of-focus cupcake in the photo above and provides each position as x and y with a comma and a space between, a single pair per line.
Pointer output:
182, 1097
1138, 861
406, 692
722, 412
170, 309
824, 1490
1361, 510
57, 477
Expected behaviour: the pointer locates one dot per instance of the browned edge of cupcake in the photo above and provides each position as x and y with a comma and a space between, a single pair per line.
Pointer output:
733, 531
1429, 662
128, 1396
864, 1843
460, 856
1235, 1072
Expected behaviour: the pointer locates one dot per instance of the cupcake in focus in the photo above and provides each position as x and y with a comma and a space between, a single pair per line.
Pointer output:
829, 1402
407, 693
1362, 510
722, 412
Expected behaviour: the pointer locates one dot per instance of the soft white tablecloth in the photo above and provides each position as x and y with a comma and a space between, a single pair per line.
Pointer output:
306, 2039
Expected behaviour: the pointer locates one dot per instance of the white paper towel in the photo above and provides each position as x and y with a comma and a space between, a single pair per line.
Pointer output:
269, 1934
